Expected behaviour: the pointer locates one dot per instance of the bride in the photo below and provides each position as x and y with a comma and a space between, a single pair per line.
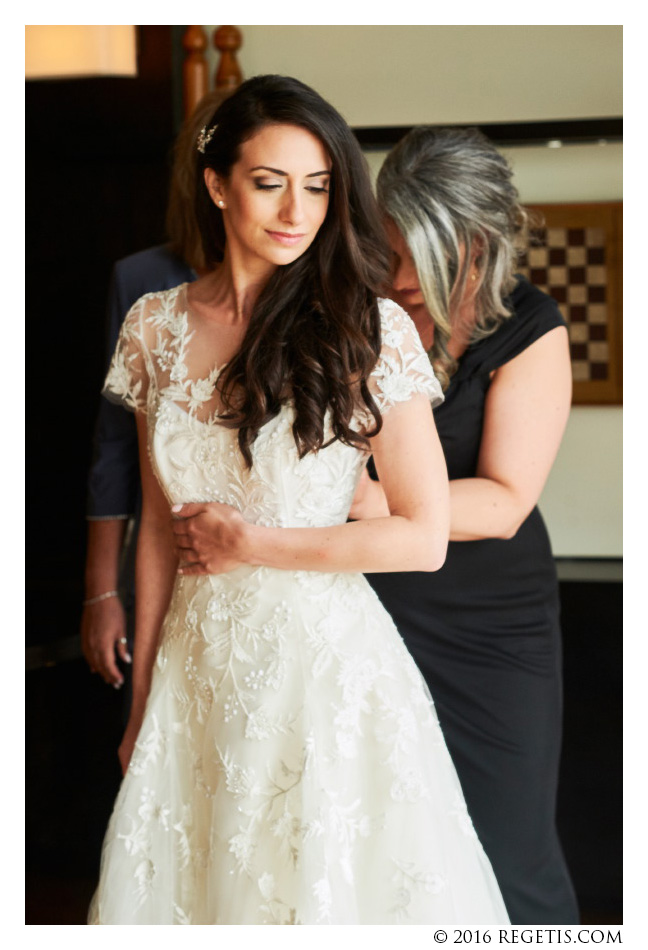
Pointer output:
283, 762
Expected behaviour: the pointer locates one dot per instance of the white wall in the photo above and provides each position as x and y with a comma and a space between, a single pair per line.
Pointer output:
569, 174
582, 501
403, 75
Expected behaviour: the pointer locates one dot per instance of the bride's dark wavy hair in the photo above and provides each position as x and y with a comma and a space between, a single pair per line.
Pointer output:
314, 333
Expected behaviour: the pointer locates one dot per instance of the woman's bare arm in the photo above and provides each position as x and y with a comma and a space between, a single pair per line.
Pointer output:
155, 571
526, 412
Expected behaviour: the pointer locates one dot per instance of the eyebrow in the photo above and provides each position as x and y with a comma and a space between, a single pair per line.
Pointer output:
277, 171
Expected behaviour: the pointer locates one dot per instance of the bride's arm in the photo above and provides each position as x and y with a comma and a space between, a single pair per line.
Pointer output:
412, 537
155, 569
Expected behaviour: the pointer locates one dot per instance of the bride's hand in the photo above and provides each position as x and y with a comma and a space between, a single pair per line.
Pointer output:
209, 537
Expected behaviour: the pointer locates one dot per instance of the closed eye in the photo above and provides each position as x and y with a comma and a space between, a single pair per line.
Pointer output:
314, 189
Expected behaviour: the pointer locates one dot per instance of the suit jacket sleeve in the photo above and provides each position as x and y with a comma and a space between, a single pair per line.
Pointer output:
113, 482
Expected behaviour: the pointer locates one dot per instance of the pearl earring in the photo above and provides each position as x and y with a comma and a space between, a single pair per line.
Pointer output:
221, 204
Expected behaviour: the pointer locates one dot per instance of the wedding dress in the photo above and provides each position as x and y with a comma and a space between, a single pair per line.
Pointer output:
290, 768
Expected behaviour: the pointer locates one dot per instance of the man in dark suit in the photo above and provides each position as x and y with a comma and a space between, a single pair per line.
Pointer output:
114, 484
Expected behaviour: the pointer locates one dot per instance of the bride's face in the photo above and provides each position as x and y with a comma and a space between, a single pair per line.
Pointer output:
276, 196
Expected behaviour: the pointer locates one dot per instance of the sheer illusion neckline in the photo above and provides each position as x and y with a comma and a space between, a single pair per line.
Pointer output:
191, 384
193, 323
159, 356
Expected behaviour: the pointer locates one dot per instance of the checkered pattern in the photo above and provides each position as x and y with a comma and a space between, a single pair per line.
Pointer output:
569, 264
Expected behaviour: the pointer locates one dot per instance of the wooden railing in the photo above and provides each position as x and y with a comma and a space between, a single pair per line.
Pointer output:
195, 72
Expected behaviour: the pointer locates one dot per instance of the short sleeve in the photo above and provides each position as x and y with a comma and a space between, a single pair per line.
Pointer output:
403, 368
127, 381
533, 314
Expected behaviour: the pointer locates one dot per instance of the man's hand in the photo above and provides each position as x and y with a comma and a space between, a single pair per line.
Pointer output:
103, 638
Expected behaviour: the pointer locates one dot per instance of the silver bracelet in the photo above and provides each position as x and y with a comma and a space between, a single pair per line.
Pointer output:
95, 600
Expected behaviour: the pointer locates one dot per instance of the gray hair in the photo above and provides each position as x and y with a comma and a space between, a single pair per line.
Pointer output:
450, 194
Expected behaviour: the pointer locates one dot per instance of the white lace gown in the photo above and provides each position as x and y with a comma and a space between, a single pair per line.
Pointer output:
290, 768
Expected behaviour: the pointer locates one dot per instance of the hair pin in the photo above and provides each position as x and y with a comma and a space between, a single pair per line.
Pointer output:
205, 137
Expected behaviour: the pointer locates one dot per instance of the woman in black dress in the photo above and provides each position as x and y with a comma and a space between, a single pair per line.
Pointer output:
484, 630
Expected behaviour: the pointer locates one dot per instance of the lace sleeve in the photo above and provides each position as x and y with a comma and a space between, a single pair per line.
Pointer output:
403, 368
127, 382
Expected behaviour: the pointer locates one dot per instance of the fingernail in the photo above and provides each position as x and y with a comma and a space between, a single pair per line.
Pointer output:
117, 685
128, 658
180, 570
176, 508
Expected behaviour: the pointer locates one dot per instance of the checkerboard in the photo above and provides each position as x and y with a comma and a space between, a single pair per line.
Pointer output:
570, 264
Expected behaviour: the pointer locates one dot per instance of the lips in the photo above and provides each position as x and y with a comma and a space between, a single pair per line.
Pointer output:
285, 238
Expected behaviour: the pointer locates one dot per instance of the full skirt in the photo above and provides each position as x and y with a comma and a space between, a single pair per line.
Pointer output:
290, 769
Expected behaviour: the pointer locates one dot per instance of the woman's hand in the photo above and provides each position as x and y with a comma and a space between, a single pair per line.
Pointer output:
369, 500
103, 636
209, 537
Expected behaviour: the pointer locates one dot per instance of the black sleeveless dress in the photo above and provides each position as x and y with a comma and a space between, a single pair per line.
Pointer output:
485, 633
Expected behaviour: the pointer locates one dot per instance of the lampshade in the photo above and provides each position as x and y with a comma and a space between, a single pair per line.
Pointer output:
57, 52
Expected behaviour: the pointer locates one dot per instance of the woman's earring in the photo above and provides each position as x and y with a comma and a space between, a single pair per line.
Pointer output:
221, 204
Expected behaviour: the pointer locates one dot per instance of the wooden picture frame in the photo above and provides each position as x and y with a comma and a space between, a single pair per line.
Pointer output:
574, 254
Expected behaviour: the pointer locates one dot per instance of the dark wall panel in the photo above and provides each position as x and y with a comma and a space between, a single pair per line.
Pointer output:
97, 177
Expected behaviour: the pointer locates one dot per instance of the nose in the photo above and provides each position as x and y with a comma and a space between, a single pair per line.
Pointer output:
404, 276
292, 209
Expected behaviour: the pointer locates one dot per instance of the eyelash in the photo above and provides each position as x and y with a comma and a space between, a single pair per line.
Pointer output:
312, 189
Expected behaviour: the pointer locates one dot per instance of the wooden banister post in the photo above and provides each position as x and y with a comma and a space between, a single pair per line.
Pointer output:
194, 69
227, 40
